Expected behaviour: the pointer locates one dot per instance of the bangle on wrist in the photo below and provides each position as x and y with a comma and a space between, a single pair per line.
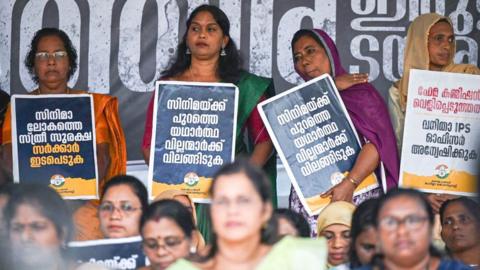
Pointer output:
351, 180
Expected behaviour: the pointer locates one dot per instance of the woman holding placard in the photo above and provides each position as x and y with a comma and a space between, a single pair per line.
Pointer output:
52, 61
207, 53
315, 54
430, 45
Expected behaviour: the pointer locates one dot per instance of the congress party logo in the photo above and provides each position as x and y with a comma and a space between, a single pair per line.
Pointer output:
442, 171
57, 180
191, 179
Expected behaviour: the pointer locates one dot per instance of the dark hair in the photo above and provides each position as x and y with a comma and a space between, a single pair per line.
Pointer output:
296, 219
47, 201
172, 210
261, 185
228, 65
470, 205
363, 218
136, 185
67, 43
377, 260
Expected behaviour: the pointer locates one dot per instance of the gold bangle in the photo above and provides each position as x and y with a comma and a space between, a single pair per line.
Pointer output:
349, 178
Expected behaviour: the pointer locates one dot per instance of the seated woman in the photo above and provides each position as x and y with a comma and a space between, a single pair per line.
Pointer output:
167, 229
363, 234
291, 223
39, 225
122, 203
244, 233
315, 54
52, 61
461, 230
404, 223
334, 224
183, 198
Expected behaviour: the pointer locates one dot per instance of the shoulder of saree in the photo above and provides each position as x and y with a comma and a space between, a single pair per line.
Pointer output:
108, 106
462, 68
251, 88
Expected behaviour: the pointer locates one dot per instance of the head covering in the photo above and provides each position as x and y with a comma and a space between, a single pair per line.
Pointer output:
171, 194
416, 54
368, 112
339, 212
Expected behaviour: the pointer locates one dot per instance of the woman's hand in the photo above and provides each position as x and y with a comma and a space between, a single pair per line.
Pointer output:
343, 191
436, 200
347, 80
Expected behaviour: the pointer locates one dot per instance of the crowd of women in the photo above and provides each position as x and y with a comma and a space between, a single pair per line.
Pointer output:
386, 228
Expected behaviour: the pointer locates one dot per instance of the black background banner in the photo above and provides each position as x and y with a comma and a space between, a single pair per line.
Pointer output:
123, 45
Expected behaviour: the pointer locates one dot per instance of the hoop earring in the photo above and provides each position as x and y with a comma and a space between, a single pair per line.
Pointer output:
188, 51
222, 52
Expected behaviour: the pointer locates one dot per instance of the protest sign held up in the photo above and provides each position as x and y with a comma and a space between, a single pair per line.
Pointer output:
315, 139
53, 143
193, 136
441, 139
120, 253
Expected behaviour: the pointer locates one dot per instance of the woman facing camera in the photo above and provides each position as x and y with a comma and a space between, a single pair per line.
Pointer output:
244, 233
404, 222
363, 234
461, 230
167, 230
430, 45
315, 54
334, 224
52, 61
123, 201
207, 53
39, 226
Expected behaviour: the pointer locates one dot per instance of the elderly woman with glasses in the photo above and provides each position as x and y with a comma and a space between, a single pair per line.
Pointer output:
51, 61
123, 201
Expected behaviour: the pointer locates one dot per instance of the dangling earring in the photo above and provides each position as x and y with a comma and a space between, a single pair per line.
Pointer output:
188, 51
222, 52
193, 249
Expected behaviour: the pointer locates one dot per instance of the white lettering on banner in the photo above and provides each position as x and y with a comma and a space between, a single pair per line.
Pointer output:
6, 11
69, 21
261, 25
323, 16
370, 16
374, 67
99, 50
368, 21
129, 44
233, 9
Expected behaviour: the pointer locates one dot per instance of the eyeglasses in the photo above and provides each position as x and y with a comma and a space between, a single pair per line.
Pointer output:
45, 56
440, 39
169, 243
241, 202
412, 222
125, 208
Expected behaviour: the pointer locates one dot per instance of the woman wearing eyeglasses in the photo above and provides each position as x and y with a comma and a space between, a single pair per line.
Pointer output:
52, 61
244, 233
168, 233
123, 201
404, 222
